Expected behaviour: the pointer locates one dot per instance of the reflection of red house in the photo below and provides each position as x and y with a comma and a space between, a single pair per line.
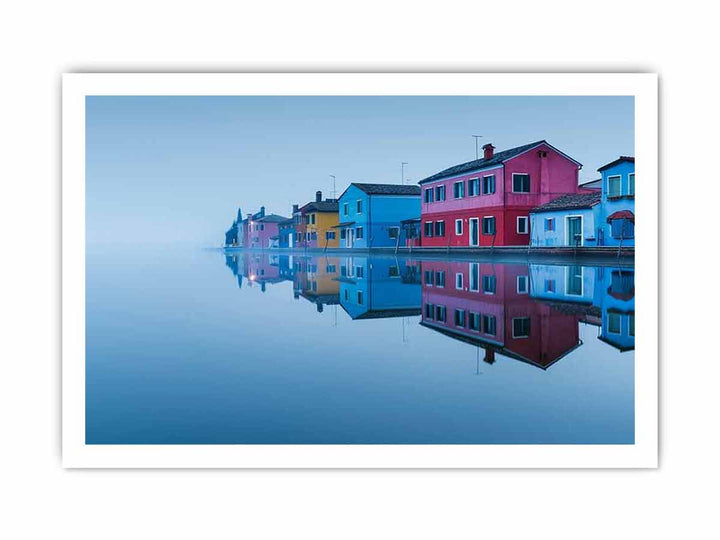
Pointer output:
490, 306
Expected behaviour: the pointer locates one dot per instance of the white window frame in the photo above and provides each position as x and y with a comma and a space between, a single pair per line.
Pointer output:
482, 186
479, 186
619, 332
525, 289
439, 188
461, 182
346, 209
631, 193
619, 193
494, 226
461, 281
527, 224
549, 220
529, 182
458, 222
360, 201
582, 282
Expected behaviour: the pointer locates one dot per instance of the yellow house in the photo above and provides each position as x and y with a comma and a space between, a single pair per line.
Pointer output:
319, 223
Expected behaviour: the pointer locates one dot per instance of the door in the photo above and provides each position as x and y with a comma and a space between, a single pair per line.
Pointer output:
574, 231
474, 231
350, 236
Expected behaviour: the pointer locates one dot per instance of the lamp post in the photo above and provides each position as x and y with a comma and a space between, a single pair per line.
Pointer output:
477, 154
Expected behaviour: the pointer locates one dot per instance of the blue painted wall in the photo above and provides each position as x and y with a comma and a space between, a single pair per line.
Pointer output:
539, 237
611, 205
379, 214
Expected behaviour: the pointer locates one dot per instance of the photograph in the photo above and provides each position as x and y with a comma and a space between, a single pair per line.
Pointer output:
398, 271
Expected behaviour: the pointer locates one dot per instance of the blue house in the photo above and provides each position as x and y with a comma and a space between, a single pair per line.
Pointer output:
286, 233
617, 294
569, 220
371, 214
385, 287
617, 213
573, 284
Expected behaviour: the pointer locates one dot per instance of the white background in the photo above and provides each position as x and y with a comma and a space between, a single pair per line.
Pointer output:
38, 41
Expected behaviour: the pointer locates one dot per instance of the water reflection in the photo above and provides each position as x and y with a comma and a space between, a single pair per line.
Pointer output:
526, 312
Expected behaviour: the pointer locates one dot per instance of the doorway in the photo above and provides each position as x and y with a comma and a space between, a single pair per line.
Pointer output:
574, 230
474, 231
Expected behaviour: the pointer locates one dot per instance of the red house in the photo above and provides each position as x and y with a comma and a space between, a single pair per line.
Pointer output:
487, 202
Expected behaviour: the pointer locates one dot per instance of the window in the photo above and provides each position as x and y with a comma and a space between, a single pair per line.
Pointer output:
522, 284
440, 313
458, 280
345, 209
474, 321
550, 285
359, 271
488, 186
429, 311
428, 229
521, 183
489, 284
522, 225
330, 269
488, 225
460, 318
459, 190
347, 294
458, 227
631, 184
360, 297
474, 277
473, 187
521, 327
574, 281
359, 206
622, 228
549, 224
614, 186
614, 323
440, 193
631, 324
329, 235
262, 226
342, 234
394, 232
440, 278
312, 219
489, 324
439, 228
393, 271
358, 233
429, 195
429, 277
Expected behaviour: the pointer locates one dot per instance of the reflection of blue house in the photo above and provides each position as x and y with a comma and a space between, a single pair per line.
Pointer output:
561, 283
617, 291
382, 288
617, 214
371, 214
569, 220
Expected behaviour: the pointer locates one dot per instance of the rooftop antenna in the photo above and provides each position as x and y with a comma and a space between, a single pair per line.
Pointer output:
402, 168
477, 152
334, 192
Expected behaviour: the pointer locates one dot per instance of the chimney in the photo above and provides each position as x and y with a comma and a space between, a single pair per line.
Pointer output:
489, 356
488, 150
318, 196
295, 208
262, 211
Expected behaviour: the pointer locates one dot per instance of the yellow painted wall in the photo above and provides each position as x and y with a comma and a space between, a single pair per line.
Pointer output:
325, 221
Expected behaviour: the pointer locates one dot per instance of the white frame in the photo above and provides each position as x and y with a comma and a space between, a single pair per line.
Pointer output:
619, 332
479, 186
460, 221
609, 196
360, 201
482, 185
633, 184
458, 183
438, 188
512, 183
462, 281
75, 87
582, 281
527, 224
567, 229
527, 284
494, 226
479, 231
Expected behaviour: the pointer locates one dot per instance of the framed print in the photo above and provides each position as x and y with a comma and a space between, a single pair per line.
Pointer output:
360, 270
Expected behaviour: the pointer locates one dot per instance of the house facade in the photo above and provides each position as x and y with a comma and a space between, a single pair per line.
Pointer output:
487, 202
318, 224
371, 215
263, 232
617, 216
569, 220
286, 232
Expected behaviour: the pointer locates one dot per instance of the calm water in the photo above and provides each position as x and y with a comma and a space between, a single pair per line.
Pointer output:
194, 347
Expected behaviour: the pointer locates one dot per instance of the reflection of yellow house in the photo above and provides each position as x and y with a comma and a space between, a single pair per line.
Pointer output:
320, 220
318, 282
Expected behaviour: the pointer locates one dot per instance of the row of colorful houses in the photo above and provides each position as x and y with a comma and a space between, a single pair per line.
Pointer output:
528, 312
528, 195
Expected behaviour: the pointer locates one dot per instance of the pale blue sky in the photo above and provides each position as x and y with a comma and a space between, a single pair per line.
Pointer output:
175, 169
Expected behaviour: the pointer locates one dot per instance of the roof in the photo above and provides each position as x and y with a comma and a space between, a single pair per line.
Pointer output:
622, 214
386, 189
629, 159
389, 313
411, 220
273, 218
570, 201
343, 224
497, 159
592, 184
328, 205
288, 221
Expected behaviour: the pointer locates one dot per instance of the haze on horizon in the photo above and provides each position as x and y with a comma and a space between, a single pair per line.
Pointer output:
175, 169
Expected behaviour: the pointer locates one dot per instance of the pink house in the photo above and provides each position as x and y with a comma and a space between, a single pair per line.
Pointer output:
264, 232
487, 202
